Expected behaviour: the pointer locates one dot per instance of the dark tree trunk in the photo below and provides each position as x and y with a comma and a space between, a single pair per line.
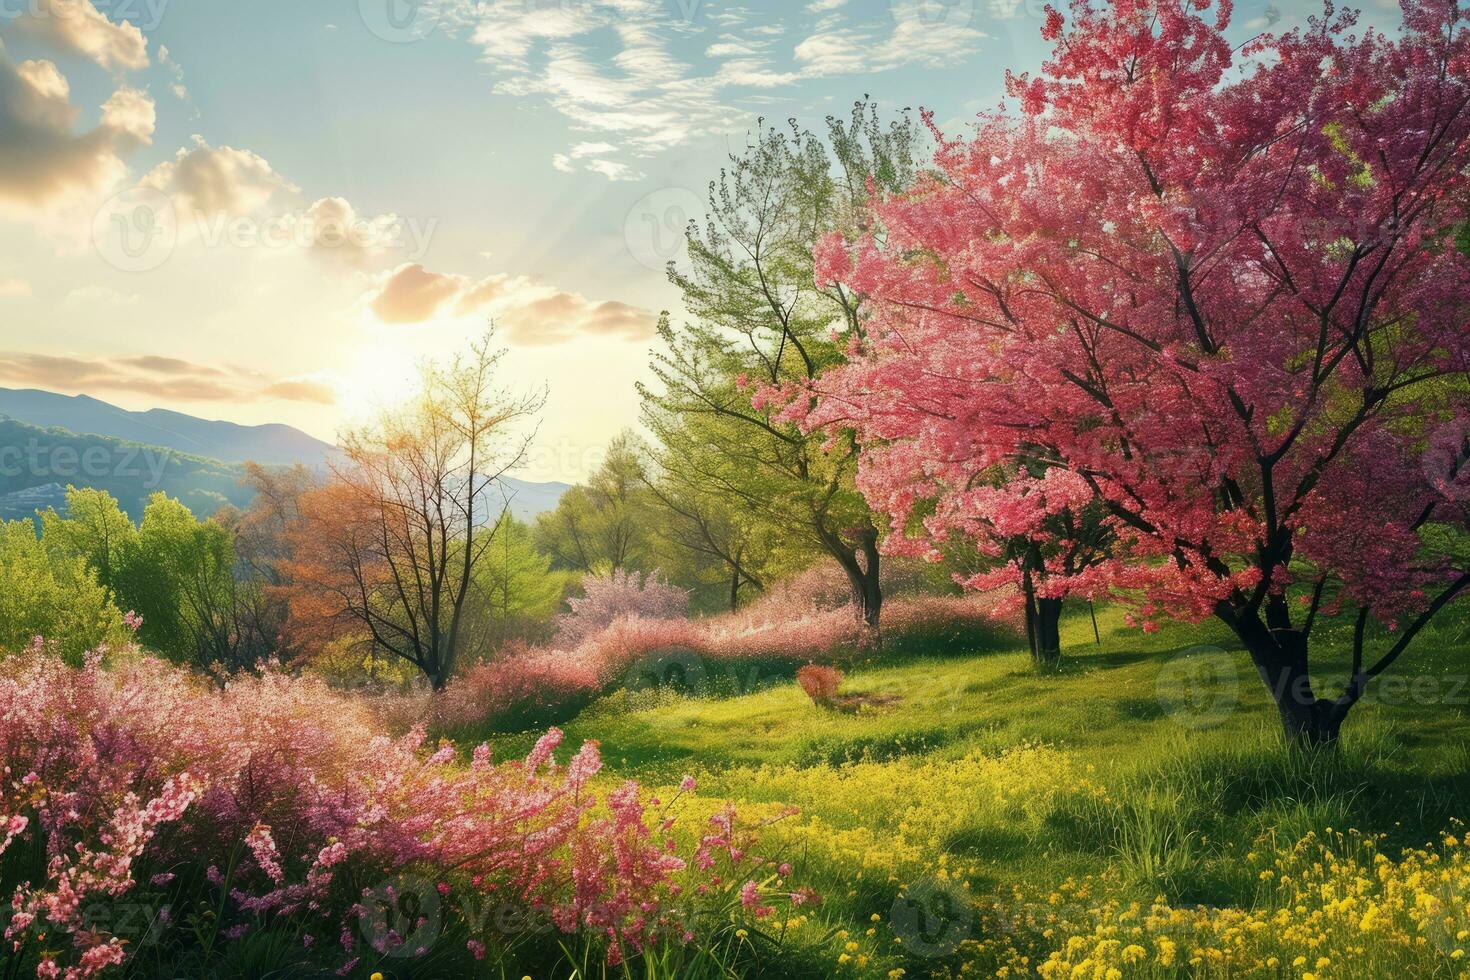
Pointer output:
734, 591
863, 566
1043, 630
1048, 649
867, 593
1281, 660
1043, 625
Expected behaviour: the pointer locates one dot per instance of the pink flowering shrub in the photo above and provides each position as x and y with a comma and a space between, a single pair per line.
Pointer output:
621, 595
801, 622
274, 801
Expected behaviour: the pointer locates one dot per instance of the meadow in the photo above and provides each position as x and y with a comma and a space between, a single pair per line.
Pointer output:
1134, 813
1042, 552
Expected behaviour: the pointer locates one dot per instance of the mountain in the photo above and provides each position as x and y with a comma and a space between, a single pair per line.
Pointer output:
37, 464
205, 454
269, 444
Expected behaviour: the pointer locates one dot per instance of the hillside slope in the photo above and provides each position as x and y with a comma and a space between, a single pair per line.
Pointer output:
37, 464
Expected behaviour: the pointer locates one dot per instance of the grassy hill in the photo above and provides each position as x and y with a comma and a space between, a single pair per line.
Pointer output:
993, 812
37, 464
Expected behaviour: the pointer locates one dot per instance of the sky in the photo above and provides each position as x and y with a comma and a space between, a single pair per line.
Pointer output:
272, 210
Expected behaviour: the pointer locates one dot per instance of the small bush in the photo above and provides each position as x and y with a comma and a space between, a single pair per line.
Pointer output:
820, 683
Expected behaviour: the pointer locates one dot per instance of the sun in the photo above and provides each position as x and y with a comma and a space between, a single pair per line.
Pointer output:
377, 376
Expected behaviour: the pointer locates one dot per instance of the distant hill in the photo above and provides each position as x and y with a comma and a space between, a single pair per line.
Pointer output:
37, 464
204, 455
268, 444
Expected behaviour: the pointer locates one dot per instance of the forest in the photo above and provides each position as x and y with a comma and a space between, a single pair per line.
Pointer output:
1042, 552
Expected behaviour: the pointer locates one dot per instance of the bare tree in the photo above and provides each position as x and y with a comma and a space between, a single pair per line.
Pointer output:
391, 544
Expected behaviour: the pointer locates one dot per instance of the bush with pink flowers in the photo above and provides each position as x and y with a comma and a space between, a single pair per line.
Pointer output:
276, 805
803, 621
605, 599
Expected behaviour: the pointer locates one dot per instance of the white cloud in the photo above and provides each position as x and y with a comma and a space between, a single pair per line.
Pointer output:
78, 27
913, 40
177, 87
208, 180
14, 287
643, 99
94, 296
333, 228
44, 162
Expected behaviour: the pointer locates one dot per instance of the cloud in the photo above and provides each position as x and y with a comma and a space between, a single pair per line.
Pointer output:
413, 294
302, 391
914, 40
161, 376
44, 162
96, 295
14, 287
76, 26
533, 313
332, 227
222, 180
610, 70
177, 87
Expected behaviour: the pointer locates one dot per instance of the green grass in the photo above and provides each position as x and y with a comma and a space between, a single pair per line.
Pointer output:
1149, 761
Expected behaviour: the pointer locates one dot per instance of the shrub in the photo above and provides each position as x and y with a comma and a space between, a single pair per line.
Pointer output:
820, 683
531, 687
271, 803
621, 595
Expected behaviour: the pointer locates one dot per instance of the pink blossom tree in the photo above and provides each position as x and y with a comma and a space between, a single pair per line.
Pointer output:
619, 595
1217, 288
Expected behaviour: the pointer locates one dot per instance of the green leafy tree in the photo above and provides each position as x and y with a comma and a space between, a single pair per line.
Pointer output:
602, 526
53, 594
761, 331
519, 594
95, 528
708, 542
